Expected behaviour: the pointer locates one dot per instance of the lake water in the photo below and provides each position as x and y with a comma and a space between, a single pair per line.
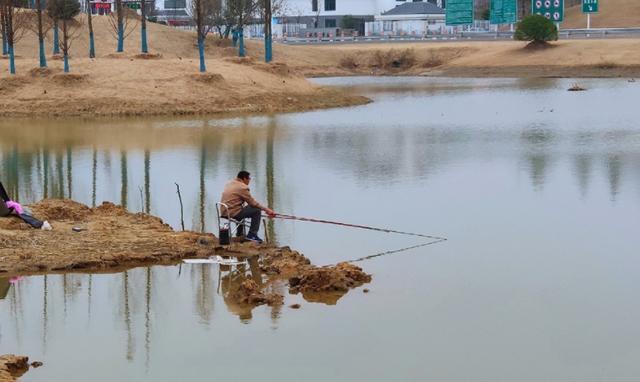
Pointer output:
536, 188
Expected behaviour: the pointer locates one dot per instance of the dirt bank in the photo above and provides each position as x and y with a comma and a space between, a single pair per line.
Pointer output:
112, 238
167, 81
167, 86
12, 367
567, 58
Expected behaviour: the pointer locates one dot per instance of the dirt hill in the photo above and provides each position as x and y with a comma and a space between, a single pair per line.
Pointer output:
613, 14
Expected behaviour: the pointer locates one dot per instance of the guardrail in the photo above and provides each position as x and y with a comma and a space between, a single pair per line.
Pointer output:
479, 36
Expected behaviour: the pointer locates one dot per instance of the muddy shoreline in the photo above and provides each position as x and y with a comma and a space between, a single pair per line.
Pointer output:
111, 239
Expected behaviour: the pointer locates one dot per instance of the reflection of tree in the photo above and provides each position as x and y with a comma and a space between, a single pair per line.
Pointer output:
614, 173
537, 142
69, 173
45, 316
147, 317
147, 181
124, 180
127, 315
203, 298
45, 174
582, 165
271, 130
203, 191
94, 175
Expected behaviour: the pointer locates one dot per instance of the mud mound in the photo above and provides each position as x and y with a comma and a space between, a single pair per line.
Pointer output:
12, 367
148, 56
227, 52
285, 262
111, 237
340, 278
240, 60
108, 208
207, 78
62, 210
278, 68
221, 42
117, 55
42, 72
250, 293
538, 45
69, 78
11, 84
392, 59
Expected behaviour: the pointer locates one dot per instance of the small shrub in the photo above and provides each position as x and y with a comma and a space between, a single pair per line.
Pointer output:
537, 29
348, 62
396, 59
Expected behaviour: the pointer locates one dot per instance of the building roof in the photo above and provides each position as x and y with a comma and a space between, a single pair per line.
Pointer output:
415, 8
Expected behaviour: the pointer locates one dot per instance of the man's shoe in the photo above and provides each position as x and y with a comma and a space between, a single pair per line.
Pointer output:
254, 238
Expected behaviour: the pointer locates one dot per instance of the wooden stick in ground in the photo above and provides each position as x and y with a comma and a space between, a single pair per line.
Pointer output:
181, 206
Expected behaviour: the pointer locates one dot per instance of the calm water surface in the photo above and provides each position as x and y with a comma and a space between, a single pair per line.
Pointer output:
537, 189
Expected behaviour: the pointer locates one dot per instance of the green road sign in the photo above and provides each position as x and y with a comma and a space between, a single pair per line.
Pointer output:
589, 6
551, 9
503, 12
459, 12
133, 5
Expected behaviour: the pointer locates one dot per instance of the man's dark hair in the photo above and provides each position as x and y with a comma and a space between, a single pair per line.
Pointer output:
243, 175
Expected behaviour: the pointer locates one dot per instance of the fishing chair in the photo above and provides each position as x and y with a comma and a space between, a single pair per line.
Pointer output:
225, 220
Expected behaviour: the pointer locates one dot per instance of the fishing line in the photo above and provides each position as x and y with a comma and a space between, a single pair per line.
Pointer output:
386, 230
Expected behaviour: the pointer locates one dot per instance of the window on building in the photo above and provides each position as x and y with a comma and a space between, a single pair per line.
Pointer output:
330, 23
314, 5
387, 26
175, 4
329, 5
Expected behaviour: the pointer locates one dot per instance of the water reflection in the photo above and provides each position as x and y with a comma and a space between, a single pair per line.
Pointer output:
488, 164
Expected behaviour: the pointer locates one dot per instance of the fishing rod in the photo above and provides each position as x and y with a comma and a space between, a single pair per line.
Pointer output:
386, 230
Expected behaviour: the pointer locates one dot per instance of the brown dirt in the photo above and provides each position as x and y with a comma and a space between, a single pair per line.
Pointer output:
567, 58
13, 367
113, 238
158, 83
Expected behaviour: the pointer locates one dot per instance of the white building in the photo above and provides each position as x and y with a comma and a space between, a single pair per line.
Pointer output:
319, 14
410, 18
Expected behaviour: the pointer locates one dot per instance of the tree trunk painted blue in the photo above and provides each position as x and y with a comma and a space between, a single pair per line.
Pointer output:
241, 52
56, 38
143, 34
12, 60
203, 67
92, 46
234, 39
5, 45
268, 49
66, 63
43, 58
120, 37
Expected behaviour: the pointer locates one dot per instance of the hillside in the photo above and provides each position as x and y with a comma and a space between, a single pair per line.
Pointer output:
613, 14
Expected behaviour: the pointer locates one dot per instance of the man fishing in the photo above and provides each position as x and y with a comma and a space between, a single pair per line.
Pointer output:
235, 195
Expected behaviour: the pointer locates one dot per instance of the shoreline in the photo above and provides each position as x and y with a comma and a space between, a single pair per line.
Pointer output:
169, 85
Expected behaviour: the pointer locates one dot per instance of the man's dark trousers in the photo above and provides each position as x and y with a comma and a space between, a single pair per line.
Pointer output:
255, 214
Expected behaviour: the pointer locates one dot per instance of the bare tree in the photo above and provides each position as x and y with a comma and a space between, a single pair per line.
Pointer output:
203, 13
40, 28
15, 21
66, 11
121, 25
144, 47
41, 34
92, 43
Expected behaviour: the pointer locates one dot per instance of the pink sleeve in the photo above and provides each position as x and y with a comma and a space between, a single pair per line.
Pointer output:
16, 207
